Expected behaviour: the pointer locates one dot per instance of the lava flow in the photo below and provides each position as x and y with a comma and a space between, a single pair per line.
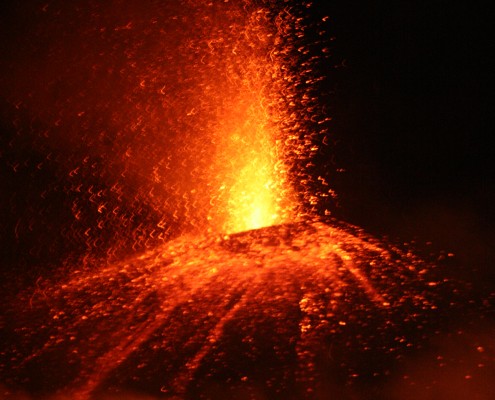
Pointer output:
265, 312
170, 240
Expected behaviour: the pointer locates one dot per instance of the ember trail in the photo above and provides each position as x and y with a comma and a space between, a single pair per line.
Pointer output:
175, 133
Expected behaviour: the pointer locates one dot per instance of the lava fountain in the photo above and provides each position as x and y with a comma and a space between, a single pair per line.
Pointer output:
189, 262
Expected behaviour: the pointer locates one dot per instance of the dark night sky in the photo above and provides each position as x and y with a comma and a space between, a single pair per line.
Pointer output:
411, 107
410, 93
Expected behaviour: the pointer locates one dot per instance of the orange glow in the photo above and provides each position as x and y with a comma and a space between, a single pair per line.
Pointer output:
249, 176
192, 112
185, 299
253, 190
172, 132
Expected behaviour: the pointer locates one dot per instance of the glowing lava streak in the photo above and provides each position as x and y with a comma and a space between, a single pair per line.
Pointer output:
249, 172
262, 306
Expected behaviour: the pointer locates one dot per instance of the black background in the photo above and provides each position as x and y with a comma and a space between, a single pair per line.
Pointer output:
411, 97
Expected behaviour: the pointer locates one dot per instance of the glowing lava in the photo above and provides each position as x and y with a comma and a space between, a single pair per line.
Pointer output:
252, 312
249, 175
167, 137
172, 118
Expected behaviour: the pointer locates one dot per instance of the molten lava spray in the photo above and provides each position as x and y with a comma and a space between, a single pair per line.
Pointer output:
167, 118
163, 152
244, 85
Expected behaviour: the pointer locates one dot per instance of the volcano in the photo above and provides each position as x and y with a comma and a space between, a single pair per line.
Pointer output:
279, 312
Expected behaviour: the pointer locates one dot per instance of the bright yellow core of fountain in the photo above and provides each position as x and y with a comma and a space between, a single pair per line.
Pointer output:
254, 191
249, 176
